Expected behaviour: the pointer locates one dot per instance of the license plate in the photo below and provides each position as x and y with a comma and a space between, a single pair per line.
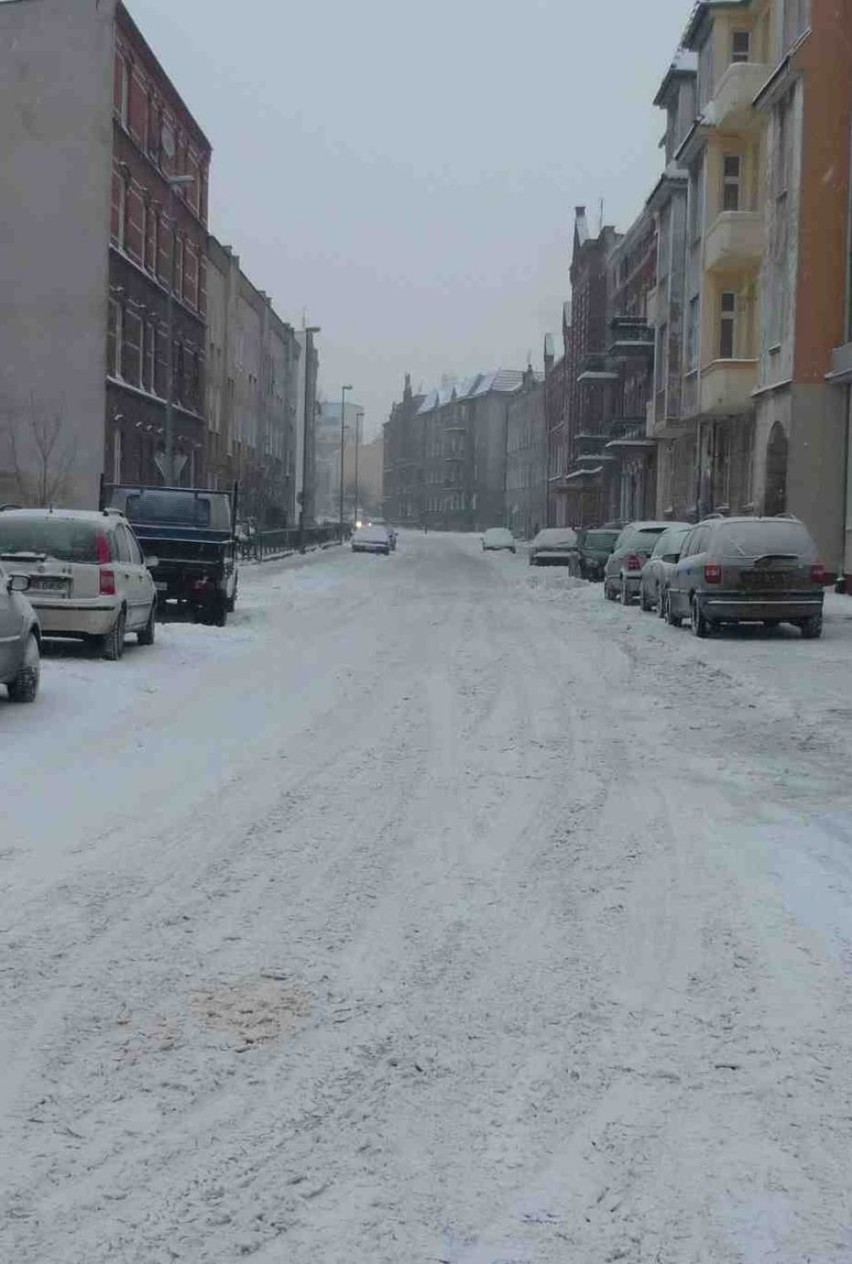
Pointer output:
767, 579
161, 587
42, 583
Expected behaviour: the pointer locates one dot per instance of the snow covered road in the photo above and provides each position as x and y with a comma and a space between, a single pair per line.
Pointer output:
436, 910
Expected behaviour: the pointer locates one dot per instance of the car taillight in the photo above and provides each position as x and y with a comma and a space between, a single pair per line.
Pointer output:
104, 549
107, 582
712, 573
634, 562
818, 573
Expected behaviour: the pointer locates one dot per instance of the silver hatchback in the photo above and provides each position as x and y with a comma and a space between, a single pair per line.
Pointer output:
748, 570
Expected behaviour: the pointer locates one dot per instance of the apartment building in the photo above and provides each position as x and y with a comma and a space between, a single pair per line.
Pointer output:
403, 460
253, 364
558, 375
526, 457
841, 379
98, 140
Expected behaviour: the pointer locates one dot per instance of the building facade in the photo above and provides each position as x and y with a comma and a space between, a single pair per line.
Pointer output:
252, 380
403, 460
526, 457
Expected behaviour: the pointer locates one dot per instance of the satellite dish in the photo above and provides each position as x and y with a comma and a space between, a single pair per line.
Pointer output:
168, 141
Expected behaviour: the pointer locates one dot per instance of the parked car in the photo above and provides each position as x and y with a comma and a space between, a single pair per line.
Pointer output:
20, 639
392, 533
748, 570
192, 533
556, 546
88, 577
497, 539
623, 569
371, 540
659, 566
595, 547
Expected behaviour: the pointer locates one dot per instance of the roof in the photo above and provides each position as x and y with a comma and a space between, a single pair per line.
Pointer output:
684, 65
701, 11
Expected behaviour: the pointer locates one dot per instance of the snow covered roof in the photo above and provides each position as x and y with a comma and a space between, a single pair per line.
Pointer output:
702, 9
503, 381
684, 64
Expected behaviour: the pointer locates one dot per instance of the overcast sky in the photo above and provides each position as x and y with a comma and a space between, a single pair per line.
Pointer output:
407, 173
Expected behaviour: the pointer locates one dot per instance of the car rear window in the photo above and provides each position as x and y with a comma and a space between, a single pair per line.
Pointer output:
177, 509
671, 541
761, 539
641, 537
61, 538
556, 536
600, 539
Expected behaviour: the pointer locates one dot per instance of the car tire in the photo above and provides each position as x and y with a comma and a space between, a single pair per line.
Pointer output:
231, 602
644, 604
623, 595
672, 619
146, 635
812, 627
24, 686
662, 603
700, 622
112, 645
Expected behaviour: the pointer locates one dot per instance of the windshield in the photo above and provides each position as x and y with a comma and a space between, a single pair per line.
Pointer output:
66, 539
174, 508
600, 540
556, 537
498, 534
671, 541
763, 537
642, 538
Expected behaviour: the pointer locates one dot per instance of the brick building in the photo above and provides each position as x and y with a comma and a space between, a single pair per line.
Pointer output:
403, 460
92, 131
526, 457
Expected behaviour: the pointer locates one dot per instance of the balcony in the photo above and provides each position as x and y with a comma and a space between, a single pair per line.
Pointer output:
726, 387
631, 337
731, 108
734, 240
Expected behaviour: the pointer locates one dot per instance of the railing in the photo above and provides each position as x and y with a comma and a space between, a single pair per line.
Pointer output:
267, 544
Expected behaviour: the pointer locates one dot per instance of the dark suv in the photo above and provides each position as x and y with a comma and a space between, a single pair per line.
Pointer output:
748, 570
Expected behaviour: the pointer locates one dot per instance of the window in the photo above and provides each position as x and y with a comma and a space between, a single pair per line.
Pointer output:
134, 226
131, 349
732, 166
121, 89
149, 356
114, 336
177, 275
692, 334
151, 235
119, 208
740, 46
116, 456
727, 325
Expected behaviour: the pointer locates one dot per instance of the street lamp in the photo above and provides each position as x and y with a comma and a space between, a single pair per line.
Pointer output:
174, 182
357, 440
343, 391
309, 334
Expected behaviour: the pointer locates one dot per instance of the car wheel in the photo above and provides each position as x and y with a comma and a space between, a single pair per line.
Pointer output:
231, 602
662, 604
112, 645
644, 603
24, 687
146, 635
624, 595
700, 622
672, 619
812, 627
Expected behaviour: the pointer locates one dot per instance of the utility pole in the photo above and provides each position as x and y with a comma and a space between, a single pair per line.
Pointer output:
343, 391
357, 440
309, 346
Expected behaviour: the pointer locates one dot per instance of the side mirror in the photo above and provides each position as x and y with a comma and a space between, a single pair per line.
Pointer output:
18, 583
152, 563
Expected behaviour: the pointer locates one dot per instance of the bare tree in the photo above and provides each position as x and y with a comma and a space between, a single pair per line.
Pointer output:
41, 454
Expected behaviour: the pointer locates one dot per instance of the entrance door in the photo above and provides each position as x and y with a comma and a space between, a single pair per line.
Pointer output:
775, 495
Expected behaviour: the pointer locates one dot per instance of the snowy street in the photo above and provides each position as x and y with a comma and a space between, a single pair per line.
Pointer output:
435, 910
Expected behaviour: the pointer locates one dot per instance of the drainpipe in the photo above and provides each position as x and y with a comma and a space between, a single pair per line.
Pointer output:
846, 551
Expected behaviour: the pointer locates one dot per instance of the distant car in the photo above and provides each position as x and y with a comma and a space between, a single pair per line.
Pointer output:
556, 546
623, 569
595, 547
659, 566
20, 639
88, 577
748, 570
381, 522
371, 540
498, 539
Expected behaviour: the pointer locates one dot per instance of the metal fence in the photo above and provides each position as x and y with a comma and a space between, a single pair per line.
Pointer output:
264, 545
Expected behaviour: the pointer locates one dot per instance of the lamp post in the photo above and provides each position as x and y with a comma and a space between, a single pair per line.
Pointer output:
174, 182
343, 391
309, 345
357, 441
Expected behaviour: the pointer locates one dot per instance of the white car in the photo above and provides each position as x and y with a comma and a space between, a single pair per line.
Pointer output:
497, 539
88, 576
371, 540
556, 546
